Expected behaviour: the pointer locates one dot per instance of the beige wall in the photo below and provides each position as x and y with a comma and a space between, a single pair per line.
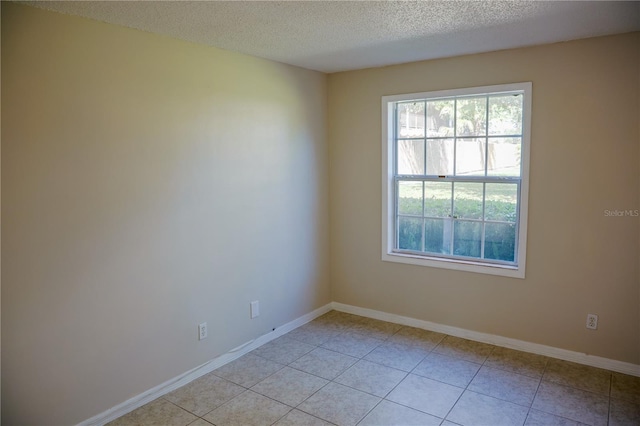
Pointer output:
584, 159
148, 185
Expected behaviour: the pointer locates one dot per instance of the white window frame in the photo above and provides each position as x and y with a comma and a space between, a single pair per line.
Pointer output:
516, 270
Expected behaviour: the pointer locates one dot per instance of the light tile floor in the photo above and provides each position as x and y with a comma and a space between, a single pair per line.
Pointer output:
344, 369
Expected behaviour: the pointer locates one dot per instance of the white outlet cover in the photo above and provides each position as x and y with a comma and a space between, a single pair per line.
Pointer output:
202, 331
592, 321
255, 309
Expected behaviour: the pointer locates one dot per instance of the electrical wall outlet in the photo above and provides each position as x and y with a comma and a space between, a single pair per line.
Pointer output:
202, 331
592, 321
255, 309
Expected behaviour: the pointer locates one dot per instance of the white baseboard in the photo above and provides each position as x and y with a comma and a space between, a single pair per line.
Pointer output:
181, 380
578, 357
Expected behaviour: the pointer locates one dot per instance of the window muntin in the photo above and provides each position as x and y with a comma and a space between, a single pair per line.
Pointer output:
457, 164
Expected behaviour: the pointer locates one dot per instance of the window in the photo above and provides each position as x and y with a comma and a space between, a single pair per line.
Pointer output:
455, 178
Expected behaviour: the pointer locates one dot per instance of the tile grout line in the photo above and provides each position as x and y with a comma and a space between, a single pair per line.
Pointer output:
430, 351
405, 372
468, 384
609, 404
360, 359
332, 380
384, 398
546, 363
300, 403
261, 380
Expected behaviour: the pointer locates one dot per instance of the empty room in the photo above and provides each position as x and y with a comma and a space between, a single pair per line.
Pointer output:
320, 213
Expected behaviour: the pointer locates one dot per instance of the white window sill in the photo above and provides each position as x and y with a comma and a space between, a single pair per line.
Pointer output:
455, 264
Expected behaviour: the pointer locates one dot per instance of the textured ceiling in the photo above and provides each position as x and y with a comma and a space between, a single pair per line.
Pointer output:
334, 36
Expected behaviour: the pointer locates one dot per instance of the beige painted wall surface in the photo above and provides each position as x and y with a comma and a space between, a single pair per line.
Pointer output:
584, 159
148, 185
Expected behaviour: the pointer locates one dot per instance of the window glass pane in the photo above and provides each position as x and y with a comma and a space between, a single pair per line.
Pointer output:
500, 241
440, 118
505, 115
410, 198
411, 157
470, 157
467, 203
411, 119
440, 157
504, 157
437, 236
409, 233
501, 201
437, 199
466, 238
471, 117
